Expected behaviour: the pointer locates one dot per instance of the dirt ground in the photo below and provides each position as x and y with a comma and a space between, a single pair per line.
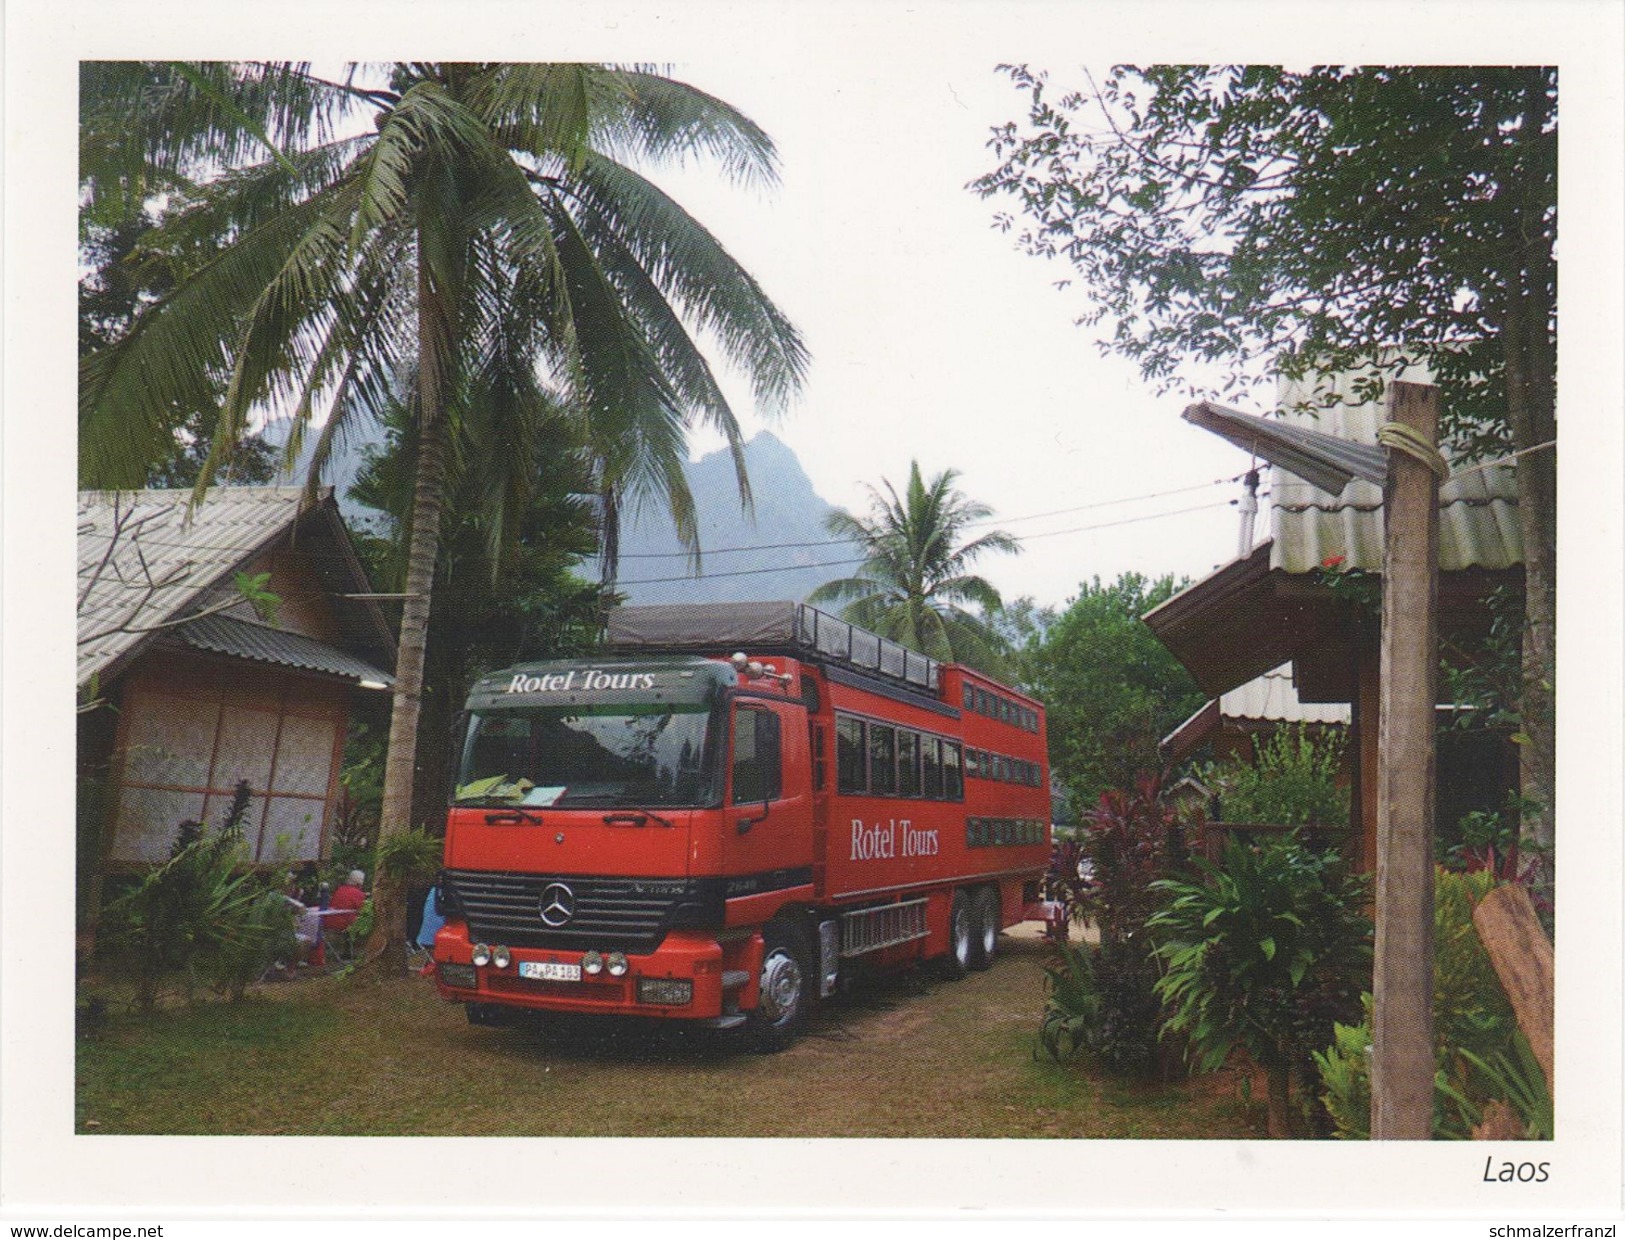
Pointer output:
905, 1056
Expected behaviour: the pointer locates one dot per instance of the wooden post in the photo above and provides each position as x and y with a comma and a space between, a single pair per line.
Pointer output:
1522, 955
1402, 1014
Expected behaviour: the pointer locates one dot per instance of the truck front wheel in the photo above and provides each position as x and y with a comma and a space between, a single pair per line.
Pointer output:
786, 989
961, 939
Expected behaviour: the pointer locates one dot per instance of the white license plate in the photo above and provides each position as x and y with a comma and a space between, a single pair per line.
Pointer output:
548, 971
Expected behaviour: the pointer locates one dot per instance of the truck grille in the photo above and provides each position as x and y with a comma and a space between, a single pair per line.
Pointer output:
609, 914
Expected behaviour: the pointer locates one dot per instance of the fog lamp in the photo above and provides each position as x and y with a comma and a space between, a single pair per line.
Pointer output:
482, 954
617, 964
592, 962
667, 991
500, 957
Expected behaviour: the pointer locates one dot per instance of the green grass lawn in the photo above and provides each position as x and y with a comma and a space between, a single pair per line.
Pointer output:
330, 1056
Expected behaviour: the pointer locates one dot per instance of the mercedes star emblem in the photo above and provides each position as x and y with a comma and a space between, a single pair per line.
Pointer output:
557, 905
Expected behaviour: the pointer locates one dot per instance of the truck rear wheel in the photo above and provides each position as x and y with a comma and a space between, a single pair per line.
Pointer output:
961, 939
986, 920
786, 989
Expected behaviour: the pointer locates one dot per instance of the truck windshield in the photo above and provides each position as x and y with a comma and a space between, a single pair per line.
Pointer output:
581, 755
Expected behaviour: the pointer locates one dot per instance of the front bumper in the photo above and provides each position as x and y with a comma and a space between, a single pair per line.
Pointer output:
725, 977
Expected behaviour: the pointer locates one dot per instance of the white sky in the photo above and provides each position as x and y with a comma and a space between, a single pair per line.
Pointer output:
933, 337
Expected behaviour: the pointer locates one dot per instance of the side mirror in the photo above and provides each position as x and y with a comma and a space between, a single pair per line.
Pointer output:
743, 825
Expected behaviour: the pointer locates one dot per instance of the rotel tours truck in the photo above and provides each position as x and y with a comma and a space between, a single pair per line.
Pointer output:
732, 808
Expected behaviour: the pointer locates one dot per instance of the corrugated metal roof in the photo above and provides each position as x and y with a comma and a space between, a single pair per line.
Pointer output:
1325, 461
1478, 511
1273, 698
143, 560
242, 639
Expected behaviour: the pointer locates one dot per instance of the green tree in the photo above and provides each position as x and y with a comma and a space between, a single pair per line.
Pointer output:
1215, 214
1111, 689
118, 279
492, 606
472, 234
914, 585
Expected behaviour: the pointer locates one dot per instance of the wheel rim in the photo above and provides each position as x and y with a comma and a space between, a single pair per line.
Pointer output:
781, 986
990, 929
962, 938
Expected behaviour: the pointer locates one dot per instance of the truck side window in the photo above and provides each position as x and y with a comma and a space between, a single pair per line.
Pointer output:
953, 786
757, 775
850, 767
931, 763
908, 763
882, 759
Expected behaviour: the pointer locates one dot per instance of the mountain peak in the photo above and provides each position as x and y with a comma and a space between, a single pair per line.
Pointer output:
787, 525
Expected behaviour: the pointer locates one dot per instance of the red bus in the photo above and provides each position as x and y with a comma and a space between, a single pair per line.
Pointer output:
728, 811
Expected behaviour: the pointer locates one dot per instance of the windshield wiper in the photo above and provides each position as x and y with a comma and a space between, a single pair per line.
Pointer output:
513, 813
636, 816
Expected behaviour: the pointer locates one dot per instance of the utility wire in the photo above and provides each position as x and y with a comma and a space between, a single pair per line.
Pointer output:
780, 568
842, 542
150, 540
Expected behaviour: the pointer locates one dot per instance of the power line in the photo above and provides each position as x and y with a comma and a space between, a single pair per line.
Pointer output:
152, 541
781, 568
840, 542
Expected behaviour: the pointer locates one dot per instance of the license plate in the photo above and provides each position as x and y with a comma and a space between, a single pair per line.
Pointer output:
548, 971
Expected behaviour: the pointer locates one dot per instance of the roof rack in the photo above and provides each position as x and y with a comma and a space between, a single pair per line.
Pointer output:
779, 627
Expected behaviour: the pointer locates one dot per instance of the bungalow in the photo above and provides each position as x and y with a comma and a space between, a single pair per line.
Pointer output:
188, 689
1302, 598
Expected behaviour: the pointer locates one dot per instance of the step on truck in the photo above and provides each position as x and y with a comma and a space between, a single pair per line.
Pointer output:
727, 812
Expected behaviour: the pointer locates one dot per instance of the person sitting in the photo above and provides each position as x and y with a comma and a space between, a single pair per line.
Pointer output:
347, 898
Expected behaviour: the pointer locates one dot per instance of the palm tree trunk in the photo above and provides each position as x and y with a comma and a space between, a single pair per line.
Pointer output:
386, 947
387, 944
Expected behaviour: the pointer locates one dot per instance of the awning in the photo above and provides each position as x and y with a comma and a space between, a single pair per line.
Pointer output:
241, 639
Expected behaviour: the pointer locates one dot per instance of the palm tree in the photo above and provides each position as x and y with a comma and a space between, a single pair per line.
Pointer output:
479, 236
913, 585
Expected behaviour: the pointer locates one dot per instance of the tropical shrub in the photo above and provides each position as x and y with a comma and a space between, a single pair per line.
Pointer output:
1292, 781
1131, 839
202, 913
1480, 1056
1101, 997
1072, 1004
1267, 952
409, 855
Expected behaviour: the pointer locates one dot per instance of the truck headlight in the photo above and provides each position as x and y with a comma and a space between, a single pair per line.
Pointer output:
592, 962
482, 954
501, 957
458, 975
617, 964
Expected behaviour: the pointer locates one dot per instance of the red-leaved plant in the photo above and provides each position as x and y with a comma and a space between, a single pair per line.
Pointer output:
1133, 838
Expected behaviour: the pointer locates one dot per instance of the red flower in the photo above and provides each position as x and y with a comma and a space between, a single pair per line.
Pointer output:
1332, 561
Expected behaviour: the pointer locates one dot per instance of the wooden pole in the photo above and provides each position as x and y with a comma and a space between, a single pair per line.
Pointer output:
1522, 955
1402, 1011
